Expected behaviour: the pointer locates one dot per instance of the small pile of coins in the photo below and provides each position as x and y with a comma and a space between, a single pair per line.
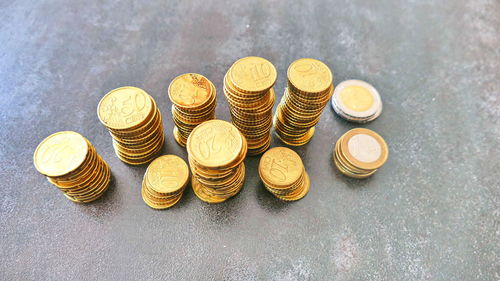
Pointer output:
283, 174
310, 86
356, 101
248, 87
134, 122
164, 182
193, 100
216, 152
70, 162
359, 153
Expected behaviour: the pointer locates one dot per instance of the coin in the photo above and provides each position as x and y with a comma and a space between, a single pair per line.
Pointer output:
357, 101
134, 123
283, 174
310, 86
71, 163
360, 152
216, 150
248, 88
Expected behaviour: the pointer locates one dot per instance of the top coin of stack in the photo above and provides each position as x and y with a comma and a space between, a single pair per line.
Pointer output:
248, 87
356, 101
283, 174
216, 152
71, 163
134, 122
310, 86
360, 152
164, 181
193, 100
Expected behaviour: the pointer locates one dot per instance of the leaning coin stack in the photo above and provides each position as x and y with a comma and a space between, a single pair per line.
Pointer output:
216, 152
283, 174
359, 153
193, 102
248, 87
71, 163
356, 101
164, 181
134, 122
310, 86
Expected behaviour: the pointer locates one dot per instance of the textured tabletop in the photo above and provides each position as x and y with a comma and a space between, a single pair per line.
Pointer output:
431, 213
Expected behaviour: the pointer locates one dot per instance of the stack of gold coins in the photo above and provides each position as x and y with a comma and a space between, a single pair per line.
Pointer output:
248, 87
356, 101
216, 152
310, 86
283, 174
193, 102
164, 181
134, 122
71, 163
359, 153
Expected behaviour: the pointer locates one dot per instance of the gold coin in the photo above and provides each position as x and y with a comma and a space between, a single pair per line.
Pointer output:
364, 148
280, 166
60, 153
253, 74
357, 98
310, 75
190, 90
300, 192
215, 143
124, 108
167, 174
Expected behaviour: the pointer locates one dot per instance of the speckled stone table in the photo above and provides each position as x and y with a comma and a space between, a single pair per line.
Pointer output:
431, 213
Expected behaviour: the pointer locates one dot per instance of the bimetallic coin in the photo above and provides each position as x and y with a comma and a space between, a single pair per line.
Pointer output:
364, 148
357, 101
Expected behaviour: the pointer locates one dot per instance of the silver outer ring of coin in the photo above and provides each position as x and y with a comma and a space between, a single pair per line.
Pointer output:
355, 119
366, 115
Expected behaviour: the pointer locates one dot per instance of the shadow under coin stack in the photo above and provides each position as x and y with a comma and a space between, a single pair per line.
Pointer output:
248, 87
310, 86
134, 122
71, 163
193, 100
356, 101
359, 153
283, 174
216, 152
164, 181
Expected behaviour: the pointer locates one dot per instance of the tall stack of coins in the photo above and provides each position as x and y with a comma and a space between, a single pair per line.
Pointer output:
283, 174
248, 87
216, 152
164, 181
71, 163
193, 102
359, 153
134, 122
310, 86
356, 101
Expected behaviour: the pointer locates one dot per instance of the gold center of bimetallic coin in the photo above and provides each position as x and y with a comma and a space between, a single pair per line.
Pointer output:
124, 108
167, 174
281, 166
310, 75
215, 143
60, 153
364, 148
189, 90
253, 74
356, 98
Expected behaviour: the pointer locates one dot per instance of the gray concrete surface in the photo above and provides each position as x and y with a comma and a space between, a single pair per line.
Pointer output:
431, 213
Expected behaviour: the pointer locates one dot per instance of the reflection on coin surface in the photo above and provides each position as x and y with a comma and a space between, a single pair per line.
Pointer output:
60, 153
364, 148
189, 90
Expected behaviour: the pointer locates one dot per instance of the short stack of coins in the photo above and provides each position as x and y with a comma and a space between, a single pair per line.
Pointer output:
193, 100
248, 87
359, 153
310, 86
164, 181
283, 174
356, 101
216, 152
70, 162
134, 122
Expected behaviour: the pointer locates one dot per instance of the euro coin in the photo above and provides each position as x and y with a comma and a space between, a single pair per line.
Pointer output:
356, 101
